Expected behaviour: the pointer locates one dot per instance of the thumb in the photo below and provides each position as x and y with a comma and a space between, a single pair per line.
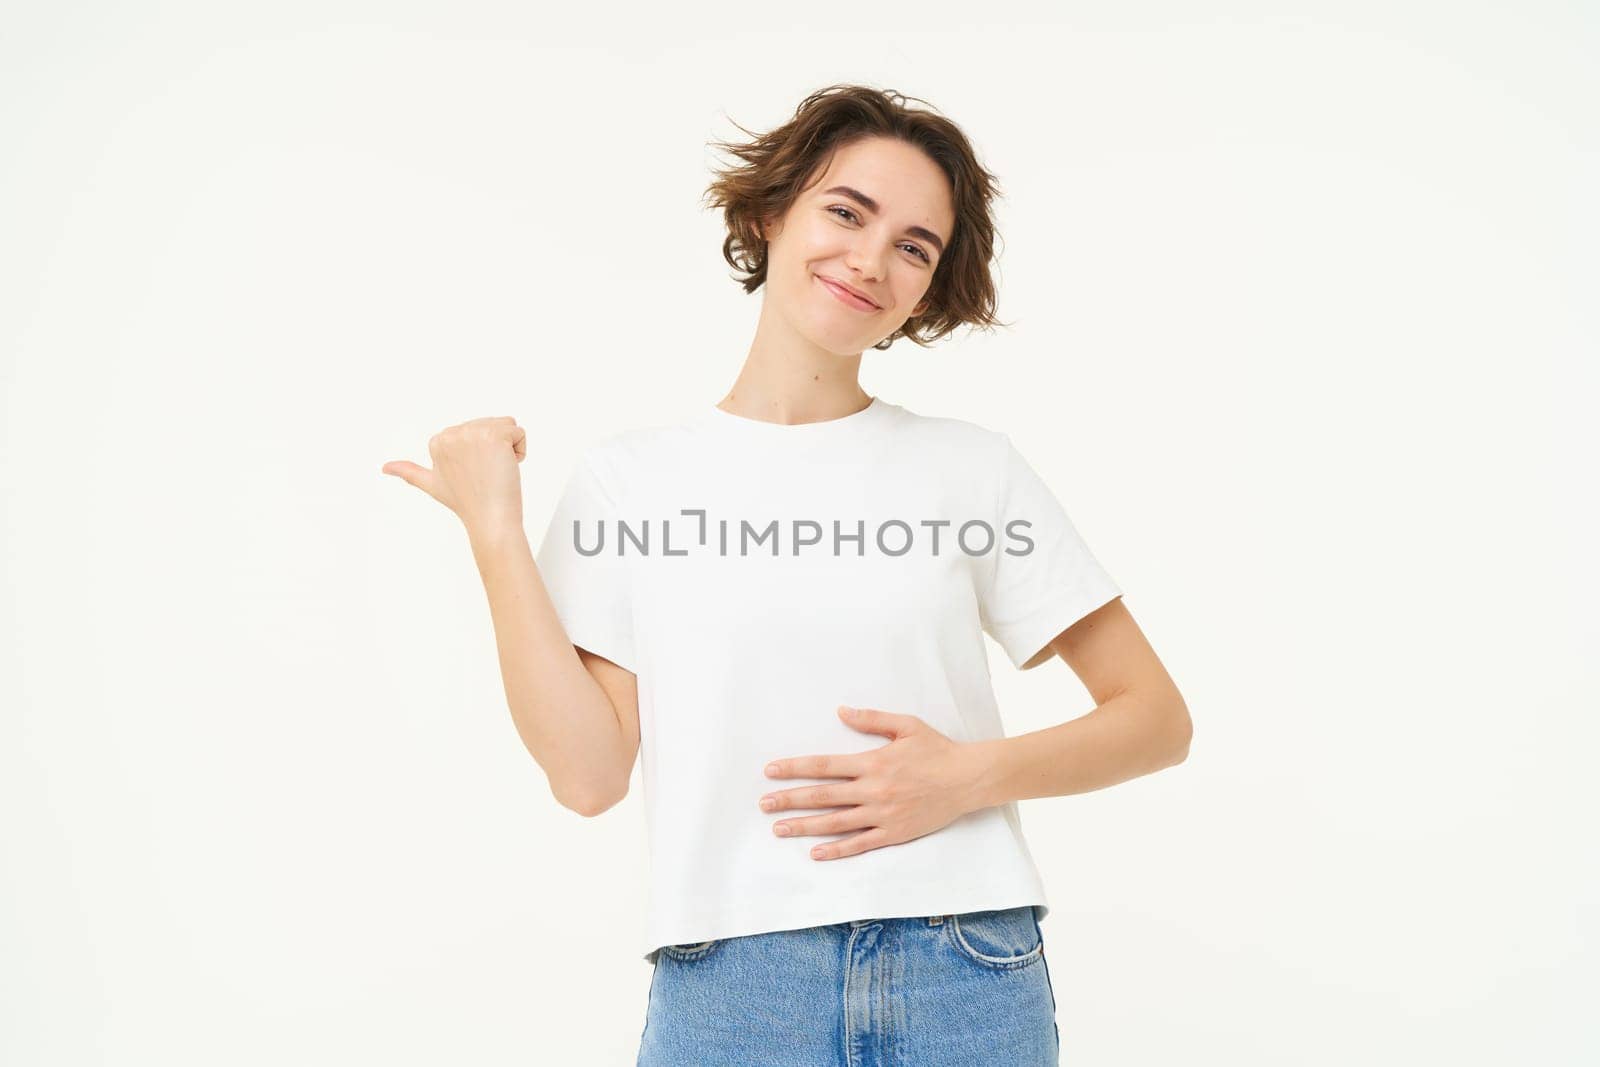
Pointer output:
873, 721
409, 472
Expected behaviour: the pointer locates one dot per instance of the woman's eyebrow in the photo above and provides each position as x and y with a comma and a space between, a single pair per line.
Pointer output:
872, 205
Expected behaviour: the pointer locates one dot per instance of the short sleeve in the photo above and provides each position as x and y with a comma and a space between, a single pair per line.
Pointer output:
589, 587
1044, 578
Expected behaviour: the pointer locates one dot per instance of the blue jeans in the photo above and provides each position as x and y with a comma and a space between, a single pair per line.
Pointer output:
930, 991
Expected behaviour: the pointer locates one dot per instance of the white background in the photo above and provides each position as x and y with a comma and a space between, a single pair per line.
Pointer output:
1303, 305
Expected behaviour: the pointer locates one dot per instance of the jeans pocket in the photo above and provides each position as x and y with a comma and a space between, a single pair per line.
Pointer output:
1000, 940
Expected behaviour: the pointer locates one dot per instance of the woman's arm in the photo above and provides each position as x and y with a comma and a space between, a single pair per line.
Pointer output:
1140, 723
577, 713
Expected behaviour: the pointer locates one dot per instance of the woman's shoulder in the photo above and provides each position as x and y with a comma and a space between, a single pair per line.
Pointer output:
939, 435
637, 448
953, 427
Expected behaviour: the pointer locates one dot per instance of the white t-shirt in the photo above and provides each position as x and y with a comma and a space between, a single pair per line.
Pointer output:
754, 577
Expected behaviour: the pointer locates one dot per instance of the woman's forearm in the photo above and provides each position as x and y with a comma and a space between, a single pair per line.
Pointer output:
563, 716
1132, 734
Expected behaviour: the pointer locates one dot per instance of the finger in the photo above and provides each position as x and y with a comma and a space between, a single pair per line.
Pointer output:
837, 766
876, 721
831, 795
838, 822
854, 845
519, 442
421, 477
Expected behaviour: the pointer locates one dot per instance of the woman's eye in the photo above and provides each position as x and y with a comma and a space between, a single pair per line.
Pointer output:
836, 208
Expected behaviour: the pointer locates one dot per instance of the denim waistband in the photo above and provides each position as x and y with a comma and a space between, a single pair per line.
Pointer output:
931, 920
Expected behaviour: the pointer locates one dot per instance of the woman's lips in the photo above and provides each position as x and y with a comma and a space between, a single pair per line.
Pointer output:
845, 296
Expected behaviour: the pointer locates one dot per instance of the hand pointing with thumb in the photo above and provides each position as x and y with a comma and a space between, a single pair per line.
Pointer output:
474, 473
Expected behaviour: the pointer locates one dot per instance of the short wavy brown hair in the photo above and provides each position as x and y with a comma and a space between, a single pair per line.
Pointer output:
776, 167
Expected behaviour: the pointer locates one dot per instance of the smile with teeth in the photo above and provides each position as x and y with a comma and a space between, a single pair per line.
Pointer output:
846, 297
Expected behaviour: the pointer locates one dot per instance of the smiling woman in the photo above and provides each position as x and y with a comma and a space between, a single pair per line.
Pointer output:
880, 867
910, 207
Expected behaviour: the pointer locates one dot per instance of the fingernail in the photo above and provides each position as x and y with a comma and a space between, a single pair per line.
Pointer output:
782, 829
772, 770
767, 803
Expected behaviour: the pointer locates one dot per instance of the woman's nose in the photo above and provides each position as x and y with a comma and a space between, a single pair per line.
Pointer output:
868, 259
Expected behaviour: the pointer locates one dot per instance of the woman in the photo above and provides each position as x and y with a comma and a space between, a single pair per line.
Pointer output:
780, 601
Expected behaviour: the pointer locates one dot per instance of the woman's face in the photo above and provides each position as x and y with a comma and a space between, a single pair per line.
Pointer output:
877, 221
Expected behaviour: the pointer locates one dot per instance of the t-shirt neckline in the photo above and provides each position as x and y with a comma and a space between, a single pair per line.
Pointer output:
808, 430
